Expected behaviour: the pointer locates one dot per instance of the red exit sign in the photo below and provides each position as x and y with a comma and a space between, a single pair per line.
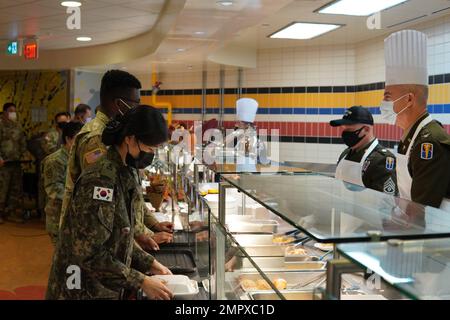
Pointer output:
31, 51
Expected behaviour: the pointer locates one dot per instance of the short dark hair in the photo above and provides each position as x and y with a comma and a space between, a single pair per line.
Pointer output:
117, 83
144, 122
70, 130
61, 114
8, 105
81, 109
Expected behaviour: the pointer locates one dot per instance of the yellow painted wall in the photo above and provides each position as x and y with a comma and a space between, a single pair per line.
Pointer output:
29, 89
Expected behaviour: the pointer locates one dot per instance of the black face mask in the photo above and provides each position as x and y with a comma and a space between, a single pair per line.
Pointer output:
351, 138
143, 160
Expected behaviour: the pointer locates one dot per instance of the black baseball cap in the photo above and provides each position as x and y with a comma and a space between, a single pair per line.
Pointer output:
354, 115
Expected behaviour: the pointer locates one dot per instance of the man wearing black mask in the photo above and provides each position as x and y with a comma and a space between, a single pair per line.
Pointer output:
119, 92
365, 162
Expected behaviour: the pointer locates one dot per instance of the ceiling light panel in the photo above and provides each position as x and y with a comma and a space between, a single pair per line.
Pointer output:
358, 7
304, 30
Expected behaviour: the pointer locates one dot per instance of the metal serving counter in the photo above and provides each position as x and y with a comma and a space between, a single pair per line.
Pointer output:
273, 234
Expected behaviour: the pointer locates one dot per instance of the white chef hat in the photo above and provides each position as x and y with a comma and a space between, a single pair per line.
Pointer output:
246, 109
406, 58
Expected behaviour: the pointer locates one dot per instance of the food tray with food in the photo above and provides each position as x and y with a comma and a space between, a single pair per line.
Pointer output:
289, 295
281, 280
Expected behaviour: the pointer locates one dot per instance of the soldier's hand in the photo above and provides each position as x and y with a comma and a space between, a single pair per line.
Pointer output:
163, 237
158, 269
164, 226
147, 243
155, 289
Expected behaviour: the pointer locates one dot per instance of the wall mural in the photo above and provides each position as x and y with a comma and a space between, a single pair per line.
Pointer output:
38, 95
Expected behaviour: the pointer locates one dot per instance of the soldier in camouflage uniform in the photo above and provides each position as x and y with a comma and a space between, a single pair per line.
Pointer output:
97, 231
119, 92
54, 176
365, 162
51, 143
53, 139
12, 149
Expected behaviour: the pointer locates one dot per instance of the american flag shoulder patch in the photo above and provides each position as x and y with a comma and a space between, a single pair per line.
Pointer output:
93, 156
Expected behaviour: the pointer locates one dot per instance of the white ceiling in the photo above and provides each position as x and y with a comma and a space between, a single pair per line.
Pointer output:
355, 28
245, 24
249, 23
105, 21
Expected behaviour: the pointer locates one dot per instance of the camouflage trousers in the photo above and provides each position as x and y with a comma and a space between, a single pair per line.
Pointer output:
11, 191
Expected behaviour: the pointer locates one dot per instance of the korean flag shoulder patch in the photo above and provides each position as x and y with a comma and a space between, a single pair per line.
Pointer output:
426, 151
103, 194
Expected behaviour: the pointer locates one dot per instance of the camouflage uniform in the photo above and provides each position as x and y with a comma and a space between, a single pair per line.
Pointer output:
52, 141
12, 148
50, 144
87, 149
54, 178
96, 235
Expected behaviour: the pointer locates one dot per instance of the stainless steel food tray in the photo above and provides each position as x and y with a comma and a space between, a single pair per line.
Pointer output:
279, 264
289, 295
310, 278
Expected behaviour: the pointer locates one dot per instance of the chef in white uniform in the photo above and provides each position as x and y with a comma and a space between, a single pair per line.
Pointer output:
423, 159
365, 162
249, 151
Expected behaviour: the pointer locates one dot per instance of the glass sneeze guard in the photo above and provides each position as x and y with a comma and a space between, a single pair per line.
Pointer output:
332, 211
419, 269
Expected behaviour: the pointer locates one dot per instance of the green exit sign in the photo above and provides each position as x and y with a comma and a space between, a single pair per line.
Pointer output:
12, 48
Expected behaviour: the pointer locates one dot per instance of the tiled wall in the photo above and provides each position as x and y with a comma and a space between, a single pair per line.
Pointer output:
301, 89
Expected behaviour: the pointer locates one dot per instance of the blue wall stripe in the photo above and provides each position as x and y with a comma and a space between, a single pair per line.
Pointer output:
436, 109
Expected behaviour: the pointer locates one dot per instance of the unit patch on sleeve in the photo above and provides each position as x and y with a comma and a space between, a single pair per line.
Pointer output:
426, 151
390, 163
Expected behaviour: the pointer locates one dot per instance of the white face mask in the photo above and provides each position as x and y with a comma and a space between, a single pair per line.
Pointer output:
88, 120
387, 110
12, 116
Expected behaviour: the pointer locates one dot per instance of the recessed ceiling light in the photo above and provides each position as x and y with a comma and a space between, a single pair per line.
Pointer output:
358, 7
84, 39
71, 4
225, 3
181, 49
304, 30
199, 32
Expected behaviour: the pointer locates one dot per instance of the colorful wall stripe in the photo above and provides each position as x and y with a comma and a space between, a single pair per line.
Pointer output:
300, 103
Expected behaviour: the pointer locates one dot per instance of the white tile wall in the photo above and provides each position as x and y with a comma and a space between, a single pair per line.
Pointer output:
317, 66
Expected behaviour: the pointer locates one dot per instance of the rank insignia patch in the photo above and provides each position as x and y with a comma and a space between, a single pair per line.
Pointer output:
103, 194
426, 151
389, 187
390, 163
